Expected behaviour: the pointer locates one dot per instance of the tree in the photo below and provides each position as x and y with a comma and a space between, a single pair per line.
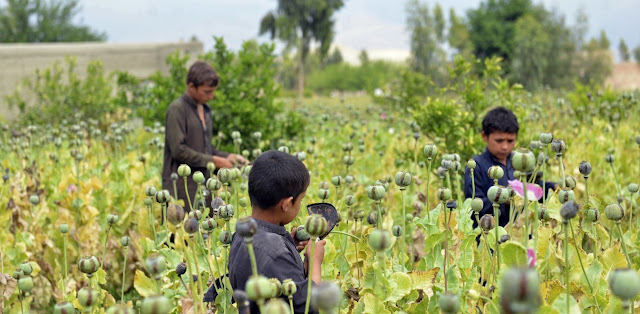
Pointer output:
335, 57
531, 46
299, 23
43, 21
363, 57
624, 50
604, 42
438, 16
596, 63
636, 54
425, 51
458, 34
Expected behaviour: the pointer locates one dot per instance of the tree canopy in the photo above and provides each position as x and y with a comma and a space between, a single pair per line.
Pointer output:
43, 21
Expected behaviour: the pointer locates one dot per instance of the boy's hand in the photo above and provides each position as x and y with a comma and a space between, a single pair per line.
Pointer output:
318, 251
299, 244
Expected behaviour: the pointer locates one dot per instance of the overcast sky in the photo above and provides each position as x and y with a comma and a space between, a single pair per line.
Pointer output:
360, 24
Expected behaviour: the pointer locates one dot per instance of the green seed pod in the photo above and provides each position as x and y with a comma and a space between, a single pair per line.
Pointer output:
349, 200
638, 139
198, 177
570, 182
235, 135
64, 308
17, 274
585, 168
471, 164
148, 201
258, 288
246, 227
348, 179
336, 180
376, 192
348, 160
430, 150
125, 241
443, 194
358, 214
211, 166
632, 188
184, 170
558, 147
224, 175
535, 145
243, 202
155, 265
566, 195
403, 179
158, 304
256, 152
174, 177
495, 172
504, 238
543, 214
289, 287
384, 183
477, 204
487, 222
150, 191
568, 211
276, 306
300, 155
34, 199
120, 309
25, 284
473, 294
181, 268
379, 240
325, 297
520, 290
163, 196
235, 174
316, 225
87, 297
257, 135
208, 225
26, 268
64, 228
112, 219
276, 287
323, 194
545, 138
408, 217
284, 149
197, 214
624, 283
225, 237
446, 164
88, 265
226, 212
224, 195
324, 185
614, 212
302, 234
175, 214
523, 160
592, 215
397, 231
449, 303
191, 225
610, 158
213, 184
497, 194
372, 218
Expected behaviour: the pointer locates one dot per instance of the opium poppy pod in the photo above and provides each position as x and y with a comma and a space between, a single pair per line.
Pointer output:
497, 194
175, 214
403, 179
246, 228
158, 304
495, 172
624, 283
379, 240
376, 192
316, 225
523, 160
258, 288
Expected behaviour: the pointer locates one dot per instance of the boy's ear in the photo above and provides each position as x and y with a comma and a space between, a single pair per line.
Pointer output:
285, 203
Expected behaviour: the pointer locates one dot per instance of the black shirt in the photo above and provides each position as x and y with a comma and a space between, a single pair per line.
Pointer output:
276, 257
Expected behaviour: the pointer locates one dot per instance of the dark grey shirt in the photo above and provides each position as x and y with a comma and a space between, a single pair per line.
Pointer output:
276, 257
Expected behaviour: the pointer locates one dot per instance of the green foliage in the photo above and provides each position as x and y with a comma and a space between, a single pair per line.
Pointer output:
57, 93
459, 34
426, 34
345, 77
636, 54
532, 45
246, 99
624, 50
43, 21
596, 64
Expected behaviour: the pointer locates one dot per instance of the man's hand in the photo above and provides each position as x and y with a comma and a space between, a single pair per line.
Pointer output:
236, 159
299, 244
222, 162
318, 256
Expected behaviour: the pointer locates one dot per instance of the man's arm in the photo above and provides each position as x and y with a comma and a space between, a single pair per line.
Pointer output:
175, 134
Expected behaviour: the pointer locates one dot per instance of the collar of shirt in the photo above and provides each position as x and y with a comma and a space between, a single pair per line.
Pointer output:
193, 104
486, 154
269, 227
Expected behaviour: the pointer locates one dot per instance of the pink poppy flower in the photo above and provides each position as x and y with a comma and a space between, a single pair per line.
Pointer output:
531, 258
71, 188
534, 191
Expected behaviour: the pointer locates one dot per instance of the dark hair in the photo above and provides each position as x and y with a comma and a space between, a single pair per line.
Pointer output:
276, 175
500, 119
201, 73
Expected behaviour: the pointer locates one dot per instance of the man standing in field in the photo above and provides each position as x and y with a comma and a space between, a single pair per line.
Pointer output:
188, 131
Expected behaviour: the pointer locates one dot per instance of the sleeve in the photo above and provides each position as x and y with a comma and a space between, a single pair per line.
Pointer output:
283, 267
175, 134
480, 179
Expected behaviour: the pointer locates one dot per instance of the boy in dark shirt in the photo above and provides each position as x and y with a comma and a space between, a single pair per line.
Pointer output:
500, 131
277, 184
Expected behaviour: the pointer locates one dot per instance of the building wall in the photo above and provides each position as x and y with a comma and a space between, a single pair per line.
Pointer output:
21, 60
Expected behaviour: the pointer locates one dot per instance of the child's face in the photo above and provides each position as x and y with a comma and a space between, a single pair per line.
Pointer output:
500, 144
